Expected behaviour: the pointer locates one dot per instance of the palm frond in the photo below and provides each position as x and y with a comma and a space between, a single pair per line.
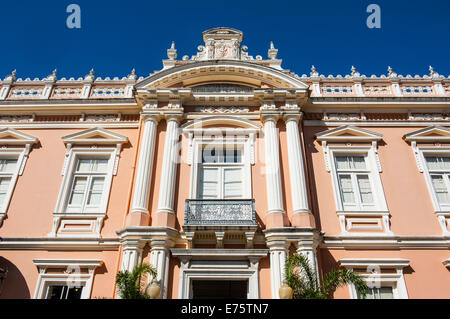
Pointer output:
129, 284
302, 278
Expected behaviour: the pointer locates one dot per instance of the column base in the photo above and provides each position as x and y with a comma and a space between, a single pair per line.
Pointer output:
276, 219
138, 219
164, 219
303, 220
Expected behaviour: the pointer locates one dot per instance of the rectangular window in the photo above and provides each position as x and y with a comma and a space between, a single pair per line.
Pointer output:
86, 193
439, 170
354, 182
8, 168
379, 293
63, 292
221, 173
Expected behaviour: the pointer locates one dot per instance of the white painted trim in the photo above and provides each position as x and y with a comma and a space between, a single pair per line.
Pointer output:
21, 154
373, 165
69, 166
423, 134
195, 150
219, 264
376, 278
239, 122
85, 137
85, 280
359, 135
420, 152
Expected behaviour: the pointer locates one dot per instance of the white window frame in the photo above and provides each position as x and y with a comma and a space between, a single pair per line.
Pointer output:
66, 186
72, 275
421, 153
219, 264
19, 146
239, 143
373, 169
93, 219
20, 154
242, 131
376, 277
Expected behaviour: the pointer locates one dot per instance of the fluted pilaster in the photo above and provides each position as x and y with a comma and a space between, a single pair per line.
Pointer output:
159, 258
144, 166
278, 254
299, 190
169, 168
273, 172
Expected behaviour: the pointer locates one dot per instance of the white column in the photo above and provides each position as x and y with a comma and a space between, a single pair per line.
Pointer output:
278, 254
309, 250
159, 258
273, 173
131, 255
169, 169
144, 166
299, 190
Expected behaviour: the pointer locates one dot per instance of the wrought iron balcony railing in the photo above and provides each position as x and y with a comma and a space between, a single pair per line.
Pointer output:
220, 212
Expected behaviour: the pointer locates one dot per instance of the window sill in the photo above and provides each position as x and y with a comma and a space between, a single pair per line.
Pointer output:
77, 225
364, 223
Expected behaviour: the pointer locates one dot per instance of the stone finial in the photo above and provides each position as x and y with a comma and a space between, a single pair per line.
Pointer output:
90, 77
391, 73
11, 77
132, 75
272, 53
433, 73
354, 72
52, 77
172, 52
314, 73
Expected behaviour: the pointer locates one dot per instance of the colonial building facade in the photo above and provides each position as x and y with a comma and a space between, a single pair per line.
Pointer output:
216, 168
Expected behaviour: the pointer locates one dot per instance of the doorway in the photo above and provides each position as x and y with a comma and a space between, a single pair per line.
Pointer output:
219, 289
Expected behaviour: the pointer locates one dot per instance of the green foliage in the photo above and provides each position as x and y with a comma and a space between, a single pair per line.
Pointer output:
129, 283
304, 282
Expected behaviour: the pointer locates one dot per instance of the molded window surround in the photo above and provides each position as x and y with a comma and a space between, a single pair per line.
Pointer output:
377, 272
72, 275
223, 171
225, 141
354, 165
87, 177
12, 163
429, 158
71, 183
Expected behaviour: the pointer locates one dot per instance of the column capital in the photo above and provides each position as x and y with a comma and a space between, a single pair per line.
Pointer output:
151, 116
173, 116
277, 244
293, 116
161, 243
273, 116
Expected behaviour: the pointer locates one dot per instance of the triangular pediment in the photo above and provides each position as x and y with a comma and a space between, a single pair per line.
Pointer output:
9, 136
348, 133
96, 135
429, 134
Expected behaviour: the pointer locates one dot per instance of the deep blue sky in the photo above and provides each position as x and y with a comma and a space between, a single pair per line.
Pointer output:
116, 36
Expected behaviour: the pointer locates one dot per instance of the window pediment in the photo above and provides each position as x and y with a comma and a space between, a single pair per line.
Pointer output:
429, 134
9, 136
221, 122
348, 133
96, 135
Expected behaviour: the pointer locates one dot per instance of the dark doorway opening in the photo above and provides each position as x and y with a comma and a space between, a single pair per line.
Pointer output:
219, 289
